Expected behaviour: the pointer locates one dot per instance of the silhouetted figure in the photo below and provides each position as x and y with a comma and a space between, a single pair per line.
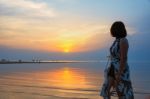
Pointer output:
117, 75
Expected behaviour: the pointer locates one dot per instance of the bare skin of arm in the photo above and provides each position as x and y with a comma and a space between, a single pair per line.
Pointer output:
123, 56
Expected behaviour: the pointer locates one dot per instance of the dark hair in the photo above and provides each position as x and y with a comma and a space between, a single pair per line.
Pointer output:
118, 30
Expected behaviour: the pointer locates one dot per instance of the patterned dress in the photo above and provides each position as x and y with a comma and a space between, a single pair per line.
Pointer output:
124, 86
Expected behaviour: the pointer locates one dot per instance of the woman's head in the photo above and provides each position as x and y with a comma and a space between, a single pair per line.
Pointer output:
118, 29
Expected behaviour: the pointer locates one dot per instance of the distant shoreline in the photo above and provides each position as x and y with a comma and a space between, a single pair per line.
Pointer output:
27, 62
32, 62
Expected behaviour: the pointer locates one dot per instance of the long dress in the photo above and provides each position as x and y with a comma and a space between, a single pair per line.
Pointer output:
124, 86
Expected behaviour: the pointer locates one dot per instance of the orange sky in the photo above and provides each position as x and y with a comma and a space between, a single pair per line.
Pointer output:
56, 26
75, 36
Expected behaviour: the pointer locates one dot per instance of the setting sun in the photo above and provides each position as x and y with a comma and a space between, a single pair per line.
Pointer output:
66, 50
66, 46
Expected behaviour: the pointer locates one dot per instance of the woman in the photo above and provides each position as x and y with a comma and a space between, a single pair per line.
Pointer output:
117, 75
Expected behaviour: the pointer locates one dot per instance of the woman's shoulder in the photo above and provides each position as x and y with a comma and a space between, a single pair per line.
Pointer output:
124, 41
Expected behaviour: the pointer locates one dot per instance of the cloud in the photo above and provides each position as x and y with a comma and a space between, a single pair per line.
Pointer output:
27, 8
65, 0
24, 20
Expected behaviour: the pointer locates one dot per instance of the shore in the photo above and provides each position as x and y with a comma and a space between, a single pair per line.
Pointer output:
53, 61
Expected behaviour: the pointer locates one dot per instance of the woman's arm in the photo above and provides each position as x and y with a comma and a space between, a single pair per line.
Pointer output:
123, 55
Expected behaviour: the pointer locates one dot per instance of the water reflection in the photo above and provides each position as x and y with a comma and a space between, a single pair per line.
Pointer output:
58, 81
69, 78
54, 83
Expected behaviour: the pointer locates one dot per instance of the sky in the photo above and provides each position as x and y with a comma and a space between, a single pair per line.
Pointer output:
71, 29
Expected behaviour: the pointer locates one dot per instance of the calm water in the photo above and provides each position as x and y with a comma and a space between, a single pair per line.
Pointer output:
65, 80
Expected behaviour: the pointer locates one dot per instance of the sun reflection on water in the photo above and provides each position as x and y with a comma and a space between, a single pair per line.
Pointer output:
69, 78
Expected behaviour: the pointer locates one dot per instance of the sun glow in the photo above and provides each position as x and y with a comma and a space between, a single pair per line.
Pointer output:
66, 50
66, 46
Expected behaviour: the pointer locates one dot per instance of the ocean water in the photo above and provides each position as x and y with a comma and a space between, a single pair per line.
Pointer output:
65, 80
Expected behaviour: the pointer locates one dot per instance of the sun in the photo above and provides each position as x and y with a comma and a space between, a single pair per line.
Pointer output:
66, 45
66, 50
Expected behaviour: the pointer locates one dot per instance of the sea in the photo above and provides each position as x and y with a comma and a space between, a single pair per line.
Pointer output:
68, 80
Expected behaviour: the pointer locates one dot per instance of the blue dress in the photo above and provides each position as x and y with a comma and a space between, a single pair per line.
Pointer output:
124, 86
